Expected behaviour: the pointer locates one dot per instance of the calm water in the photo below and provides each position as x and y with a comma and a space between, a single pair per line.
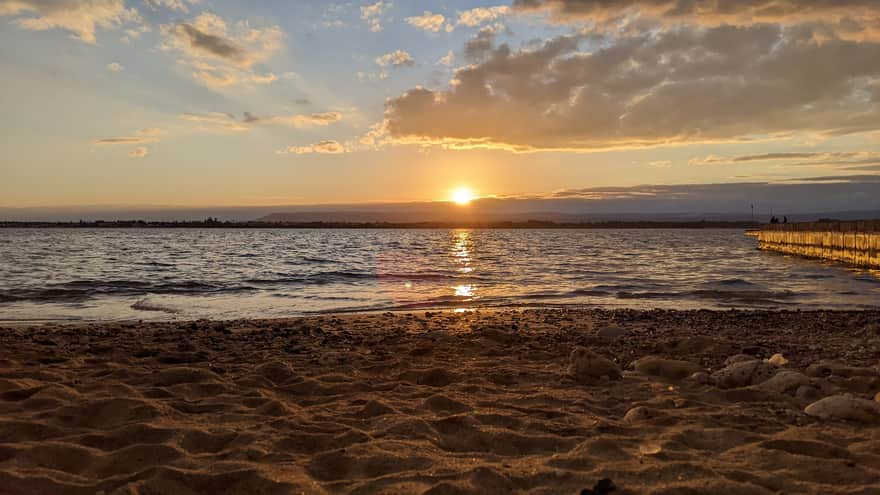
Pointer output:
156, 274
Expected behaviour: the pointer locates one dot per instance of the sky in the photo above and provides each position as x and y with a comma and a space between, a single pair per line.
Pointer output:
193, 103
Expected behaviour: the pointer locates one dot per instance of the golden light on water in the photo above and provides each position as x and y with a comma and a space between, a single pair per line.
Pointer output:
462, 196
464, 290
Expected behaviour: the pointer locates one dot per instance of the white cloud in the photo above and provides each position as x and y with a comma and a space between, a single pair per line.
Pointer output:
324, 147
80, 17
372, 14
480, 15
397, 58
447, 59
178, 5
429, 22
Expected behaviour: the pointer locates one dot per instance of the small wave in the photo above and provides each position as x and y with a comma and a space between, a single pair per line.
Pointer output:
728, 282
82, 290
589, 292
744, 296
647, 295
145, 305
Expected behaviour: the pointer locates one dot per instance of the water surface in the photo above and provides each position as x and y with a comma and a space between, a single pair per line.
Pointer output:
69, 274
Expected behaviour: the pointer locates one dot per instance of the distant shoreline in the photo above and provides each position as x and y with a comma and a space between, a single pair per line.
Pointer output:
534, 224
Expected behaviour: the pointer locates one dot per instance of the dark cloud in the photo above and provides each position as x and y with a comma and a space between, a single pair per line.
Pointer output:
212, 44
677, 85
124, 140
481, 45
854, 19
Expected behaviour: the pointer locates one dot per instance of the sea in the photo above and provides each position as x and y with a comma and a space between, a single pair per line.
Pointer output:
163, 274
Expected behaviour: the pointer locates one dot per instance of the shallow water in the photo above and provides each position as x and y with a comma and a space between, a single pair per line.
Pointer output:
49, 274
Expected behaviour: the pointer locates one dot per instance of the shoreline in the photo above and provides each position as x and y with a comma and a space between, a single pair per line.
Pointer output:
488, 401
433, 310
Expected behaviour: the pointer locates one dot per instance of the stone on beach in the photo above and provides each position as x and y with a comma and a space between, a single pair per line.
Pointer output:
743, 374
845, 407
834, 368
639, 413
585, 366
785, 382
670, 369
738, 358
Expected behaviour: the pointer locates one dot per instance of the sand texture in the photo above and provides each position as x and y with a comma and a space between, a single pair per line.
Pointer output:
538, 401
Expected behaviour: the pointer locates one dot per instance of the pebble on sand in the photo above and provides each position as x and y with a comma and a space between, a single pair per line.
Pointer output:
743, 374
845, 407
670, 369
585, 366
777, 360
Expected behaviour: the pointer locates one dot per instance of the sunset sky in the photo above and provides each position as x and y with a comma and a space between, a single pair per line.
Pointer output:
211, 102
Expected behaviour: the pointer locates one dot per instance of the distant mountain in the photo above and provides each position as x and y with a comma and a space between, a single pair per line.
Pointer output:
844, 198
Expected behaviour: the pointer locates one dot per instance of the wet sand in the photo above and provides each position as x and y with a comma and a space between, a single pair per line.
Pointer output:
537, 401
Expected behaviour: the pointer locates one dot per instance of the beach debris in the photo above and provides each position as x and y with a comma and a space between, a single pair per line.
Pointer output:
845, 407
743, 374
611, 332
670, 369
602, 487
777, 360
585, 366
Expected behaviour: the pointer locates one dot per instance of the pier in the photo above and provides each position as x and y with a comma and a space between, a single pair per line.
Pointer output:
856, 243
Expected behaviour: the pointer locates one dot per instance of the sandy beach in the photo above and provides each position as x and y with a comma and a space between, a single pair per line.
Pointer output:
535, 401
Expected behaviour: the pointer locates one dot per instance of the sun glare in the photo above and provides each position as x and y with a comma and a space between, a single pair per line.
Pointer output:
462, 196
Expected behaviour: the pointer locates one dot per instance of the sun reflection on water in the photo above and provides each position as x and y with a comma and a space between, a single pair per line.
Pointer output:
462, 253
464, 290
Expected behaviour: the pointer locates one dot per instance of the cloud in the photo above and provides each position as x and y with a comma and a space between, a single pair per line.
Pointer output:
228, 122
849, 19
81, 17
794, 159
209, 44
657, 87
126, 140
150, 131
178, 5
323, 147
428, 22
139, 152
482, 44
447, 59
115, 67
372, 14
397, 58
481, 15
222, 56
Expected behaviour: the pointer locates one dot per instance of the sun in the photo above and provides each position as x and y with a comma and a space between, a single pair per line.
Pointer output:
462, 196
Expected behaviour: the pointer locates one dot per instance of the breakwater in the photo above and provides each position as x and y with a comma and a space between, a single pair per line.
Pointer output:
855, 243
